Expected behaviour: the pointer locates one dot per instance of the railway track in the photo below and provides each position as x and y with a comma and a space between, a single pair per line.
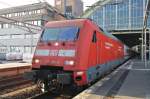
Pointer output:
9, 84
9, 77
49, 95
23, 93
33, 92
64, 93
16, 87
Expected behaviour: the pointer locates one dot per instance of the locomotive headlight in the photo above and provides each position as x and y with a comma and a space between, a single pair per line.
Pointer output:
56, 44
69, 62
36, 60
79, 73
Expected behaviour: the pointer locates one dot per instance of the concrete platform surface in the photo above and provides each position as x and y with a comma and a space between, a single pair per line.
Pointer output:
12, 65
129, 81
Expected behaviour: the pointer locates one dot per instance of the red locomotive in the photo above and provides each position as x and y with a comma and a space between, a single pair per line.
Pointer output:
74, 52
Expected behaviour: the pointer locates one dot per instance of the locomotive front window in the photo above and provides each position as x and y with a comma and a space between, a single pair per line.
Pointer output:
60, 33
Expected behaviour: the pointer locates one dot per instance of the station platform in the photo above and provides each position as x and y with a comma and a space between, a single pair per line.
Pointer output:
12, 65
129, 81
10, 69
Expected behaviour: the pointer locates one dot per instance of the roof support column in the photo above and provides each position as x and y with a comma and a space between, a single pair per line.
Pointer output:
65, 7
142, 49
116, 16
149, 44
129, 14
104, 18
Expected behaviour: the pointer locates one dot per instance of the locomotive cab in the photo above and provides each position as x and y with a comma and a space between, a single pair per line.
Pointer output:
55, 57
56, 48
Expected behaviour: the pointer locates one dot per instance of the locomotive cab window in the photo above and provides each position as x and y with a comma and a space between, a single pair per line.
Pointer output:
94, 38
60, 34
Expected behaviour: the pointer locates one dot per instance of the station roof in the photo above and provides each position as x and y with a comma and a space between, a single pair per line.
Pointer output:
147, 13
92, 8
148, 5
129, 37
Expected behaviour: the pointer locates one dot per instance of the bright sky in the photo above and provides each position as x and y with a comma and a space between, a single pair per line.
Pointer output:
11, 3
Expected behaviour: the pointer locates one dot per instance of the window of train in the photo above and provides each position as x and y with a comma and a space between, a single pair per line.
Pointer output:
94, 38
60, 33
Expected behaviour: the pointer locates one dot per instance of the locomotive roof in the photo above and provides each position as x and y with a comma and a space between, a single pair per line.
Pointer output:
106, 33
109, 35
77, 23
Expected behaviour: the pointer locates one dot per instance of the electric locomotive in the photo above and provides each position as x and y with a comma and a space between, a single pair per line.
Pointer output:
74, 52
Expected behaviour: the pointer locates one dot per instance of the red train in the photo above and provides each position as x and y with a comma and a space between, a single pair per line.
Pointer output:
74, 52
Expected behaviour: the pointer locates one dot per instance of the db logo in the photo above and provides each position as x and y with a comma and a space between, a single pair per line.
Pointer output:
53, 52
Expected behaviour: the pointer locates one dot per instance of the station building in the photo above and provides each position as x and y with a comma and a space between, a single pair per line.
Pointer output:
20, 27
70, 7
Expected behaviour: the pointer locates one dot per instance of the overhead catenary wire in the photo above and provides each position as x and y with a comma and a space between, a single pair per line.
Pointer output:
28, 28
13, 20
19, 27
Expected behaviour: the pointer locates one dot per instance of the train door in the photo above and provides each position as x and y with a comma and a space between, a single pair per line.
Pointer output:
93, 50
92, 61
96, 46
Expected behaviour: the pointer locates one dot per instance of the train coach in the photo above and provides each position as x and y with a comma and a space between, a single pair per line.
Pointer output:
74, 53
